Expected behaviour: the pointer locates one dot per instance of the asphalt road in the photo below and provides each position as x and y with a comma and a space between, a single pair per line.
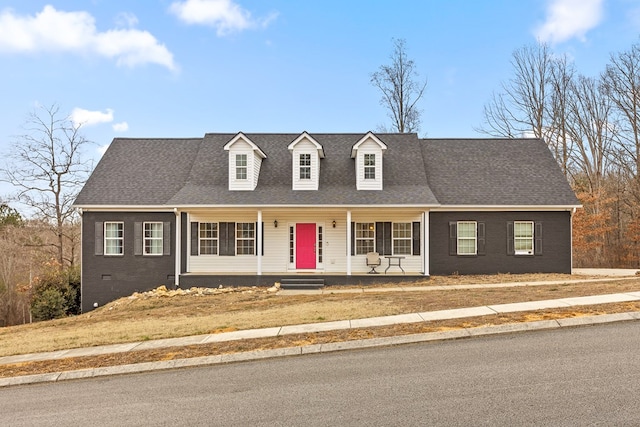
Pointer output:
582, 376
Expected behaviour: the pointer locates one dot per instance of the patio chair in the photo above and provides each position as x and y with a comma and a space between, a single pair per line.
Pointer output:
373, 261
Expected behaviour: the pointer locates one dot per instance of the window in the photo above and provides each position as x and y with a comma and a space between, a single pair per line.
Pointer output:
208, 238
402, 238
523, 237
245, 238
365, 237
241, 166
305, 166
153, 238
291, 244
467, 237
113, 238
369, 166
320, 244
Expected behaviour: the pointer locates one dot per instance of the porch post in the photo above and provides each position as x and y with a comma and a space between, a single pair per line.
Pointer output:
259, 244
348, 236
178, 255
425, 242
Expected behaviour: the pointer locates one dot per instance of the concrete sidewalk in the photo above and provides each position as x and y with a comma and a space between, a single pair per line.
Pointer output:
321, 327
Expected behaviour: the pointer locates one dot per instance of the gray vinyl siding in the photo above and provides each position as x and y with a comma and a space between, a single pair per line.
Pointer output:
556, 244
106, 278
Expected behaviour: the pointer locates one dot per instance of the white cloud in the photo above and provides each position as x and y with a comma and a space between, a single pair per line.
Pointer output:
225, 15
567, 19
120, 127
82, 117
57, 31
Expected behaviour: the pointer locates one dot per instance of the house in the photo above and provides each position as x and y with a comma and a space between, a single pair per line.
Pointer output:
254, 209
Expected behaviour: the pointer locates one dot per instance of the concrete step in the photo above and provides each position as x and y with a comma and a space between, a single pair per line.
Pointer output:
301, 283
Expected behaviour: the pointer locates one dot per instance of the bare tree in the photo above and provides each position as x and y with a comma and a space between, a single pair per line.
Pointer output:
45, 165
401, 90
562, 75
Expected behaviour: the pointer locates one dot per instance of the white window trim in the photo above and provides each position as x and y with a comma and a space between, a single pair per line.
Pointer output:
306, 166
394, 238
244, 167
239, 239
368, 167
216, 239
474, 238
372, 239
516, 238
121, 223
145, 238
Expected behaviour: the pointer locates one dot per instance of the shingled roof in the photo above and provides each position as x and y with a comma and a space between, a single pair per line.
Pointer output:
417, 172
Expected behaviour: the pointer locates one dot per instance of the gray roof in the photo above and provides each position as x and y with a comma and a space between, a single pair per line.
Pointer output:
426, 172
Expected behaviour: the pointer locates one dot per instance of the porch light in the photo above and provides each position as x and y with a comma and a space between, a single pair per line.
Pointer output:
334, 223
275, 223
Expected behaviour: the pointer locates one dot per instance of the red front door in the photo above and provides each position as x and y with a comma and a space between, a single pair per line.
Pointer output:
305, 246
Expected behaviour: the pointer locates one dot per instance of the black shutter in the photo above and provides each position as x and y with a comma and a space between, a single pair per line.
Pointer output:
416, 238
227, 238
537, 236
137, 238
166, 238
453, 238
99, 236
481, 239
262, 240
383, 238
353, 238
510, 242
195, 247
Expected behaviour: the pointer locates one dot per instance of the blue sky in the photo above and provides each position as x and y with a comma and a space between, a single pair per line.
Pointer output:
181, 68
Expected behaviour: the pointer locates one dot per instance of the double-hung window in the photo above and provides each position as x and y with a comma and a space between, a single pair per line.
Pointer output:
208, 238
467, 237
305, 166
523, 237
153, 238
245, 238
241, 166
365, 237
369, 166
113, 238
402, 239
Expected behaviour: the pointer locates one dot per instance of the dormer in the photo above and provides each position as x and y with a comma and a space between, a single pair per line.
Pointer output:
368, 152
245, 159
306, 153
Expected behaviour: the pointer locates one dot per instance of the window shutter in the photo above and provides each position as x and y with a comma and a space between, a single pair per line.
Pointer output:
481, 239
137, 238
510, 242
353, 238
166, 238
99, 235
453, 238
227, 238
262, 240
195, 246
383, 238
537, 236
416, 238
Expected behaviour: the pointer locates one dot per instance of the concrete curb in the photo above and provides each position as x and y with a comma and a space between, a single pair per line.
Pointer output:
320, 348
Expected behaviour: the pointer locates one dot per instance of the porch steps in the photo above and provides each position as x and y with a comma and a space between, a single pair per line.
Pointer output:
302, 283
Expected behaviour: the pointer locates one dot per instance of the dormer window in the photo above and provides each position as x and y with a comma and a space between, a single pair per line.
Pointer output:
241, 166
369, 166
305, 166
245, 160
306, 153
368, 154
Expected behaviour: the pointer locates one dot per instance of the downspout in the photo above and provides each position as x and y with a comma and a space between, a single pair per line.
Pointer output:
178, 256
348, 228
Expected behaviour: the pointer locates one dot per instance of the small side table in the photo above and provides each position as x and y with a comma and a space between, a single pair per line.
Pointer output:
397, 263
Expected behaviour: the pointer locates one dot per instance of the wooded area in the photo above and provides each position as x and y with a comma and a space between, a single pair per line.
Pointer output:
592, 126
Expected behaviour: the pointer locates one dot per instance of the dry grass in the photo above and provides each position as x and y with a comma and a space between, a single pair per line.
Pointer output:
130, 320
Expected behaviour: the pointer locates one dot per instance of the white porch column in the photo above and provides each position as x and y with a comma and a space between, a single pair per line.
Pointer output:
178, 255
348, 228
425, 242
259, 244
